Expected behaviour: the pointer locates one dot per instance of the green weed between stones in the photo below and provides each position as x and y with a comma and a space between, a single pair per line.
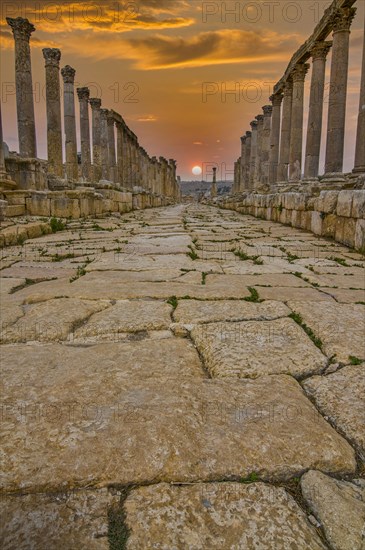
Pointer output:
56, 225
173, 301
254, 296
298, 319
355, 360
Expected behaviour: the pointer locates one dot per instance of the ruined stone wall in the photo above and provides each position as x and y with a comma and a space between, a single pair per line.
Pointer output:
339, 215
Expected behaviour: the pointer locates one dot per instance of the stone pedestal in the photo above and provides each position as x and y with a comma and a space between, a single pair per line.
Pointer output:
296, 132
285, 132
83, 95
68, 75
276, 100
314, 133
22, 31
52, 58
342, 20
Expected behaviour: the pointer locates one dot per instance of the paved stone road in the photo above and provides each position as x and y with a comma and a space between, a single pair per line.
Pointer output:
182, 378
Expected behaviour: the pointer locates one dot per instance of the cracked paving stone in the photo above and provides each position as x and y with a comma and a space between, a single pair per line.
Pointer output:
217, 515
256, 348
341, 327
339, 506
341, 398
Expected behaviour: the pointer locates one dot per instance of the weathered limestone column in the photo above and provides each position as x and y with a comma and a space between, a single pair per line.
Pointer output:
314, 133
95, 104
52, 58
296, 132
360, 137
246, 184
243, 161
253, 125
104, 154
164, 187
111, 146
127, 168
68, 75
237, 176
258, 166
265, 146
213, 190
285, 132
338, 90
172, 163
5, 180
83, 95
120, 159
276, 100
22, 30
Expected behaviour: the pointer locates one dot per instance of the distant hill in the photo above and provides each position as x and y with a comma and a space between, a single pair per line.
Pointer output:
196, 188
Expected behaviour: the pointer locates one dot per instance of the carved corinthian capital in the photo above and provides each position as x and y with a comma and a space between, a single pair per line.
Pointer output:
342, 19
22, 28
300, 72
320, 50
95, 102
68, 74
83, 93
52, 56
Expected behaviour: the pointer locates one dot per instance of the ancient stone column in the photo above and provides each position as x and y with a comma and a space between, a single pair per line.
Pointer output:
213, 190
22, 31
360, 137
164, 163
243, 161
120, 159
246, 184
68, 75
111, 146
83, 95
296, 132
341, 22
314, 132
276, 100
52, 58
127, 167
258, 166
95, 104
253, 125
285, 132
104, 153
265, 146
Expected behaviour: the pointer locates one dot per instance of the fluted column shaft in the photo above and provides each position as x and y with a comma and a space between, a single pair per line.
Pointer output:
258, 166
95, 104
285, 132
52, 58
83, 95
296, 132
246, 184
253, 154
314, 132
111, 146
68, 75
338, 90
243, 163
104, 155
22, 31
120, 156
360, 136
265, 148
276, 100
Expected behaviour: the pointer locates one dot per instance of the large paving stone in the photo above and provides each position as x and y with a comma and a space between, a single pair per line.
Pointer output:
340, 508
88, 424
256, 348
290, 293
334, 323
217, 515
341, 397
272, 279
78, 519
197, 311
127, 316
346, 295
52, 320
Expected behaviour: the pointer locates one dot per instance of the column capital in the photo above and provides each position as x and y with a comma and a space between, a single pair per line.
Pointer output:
321, 49
110, 117
243, 139
267, 109
253, 124
276, 99
83, 93
95, 102
342, 18
288, 88
299, 72
22, 28
248, 134
68, 74
260, 119
52, 57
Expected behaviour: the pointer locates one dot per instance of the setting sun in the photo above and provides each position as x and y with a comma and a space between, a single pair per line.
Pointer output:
197, 171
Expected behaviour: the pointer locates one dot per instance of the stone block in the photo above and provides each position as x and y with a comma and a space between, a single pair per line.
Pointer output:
360, 236
16, 197
349, 230
358, 204
296, 218
38, 205
344, 203
339, 229
329, 225
316, 223
15, 210
62, 207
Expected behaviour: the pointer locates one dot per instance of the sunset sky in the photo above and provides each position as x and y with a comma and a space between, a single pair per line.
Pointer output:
151, 60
